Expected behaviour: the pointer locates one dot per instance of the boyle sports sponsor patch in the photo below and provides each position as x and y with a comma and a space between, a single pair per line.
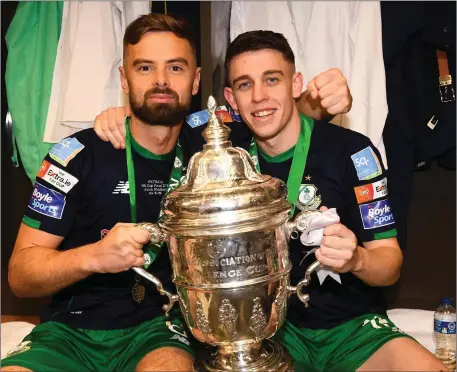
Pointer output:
366, 164
47, 202
376, 214
66, 150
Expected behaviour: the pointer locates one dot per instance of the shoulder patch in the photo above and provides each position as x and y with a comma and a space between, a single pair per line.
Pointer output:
66, 150
57, 177
198, 118
366, 164
235, 115
47, 202
377, 214
224, 116
201, 117
375, 190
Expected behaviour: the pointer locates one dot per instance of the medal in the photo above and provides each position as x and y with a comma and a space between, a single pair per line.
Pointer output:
138, 290
152, 250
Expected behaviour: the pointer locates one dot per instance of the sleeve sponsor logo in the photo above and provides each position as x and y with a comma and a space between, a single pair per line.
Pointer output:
224, 116
376, 214
235, 115
366, 164
201, 117
66, 150
47, 202
198, 118
57, 177
371, 191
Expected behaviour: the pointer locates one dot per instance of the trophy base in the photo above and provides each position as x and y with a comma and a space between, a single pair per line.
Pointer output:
271, 357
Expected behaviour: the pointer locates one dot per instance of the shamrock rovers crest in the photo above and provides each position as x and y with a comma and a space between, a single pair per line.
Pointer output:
21, 348
308, 200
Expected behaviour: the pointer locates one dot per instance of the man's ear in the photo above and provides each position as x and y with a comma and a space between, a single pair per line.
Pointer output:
228, 94
124, 82
196, 83
297, 84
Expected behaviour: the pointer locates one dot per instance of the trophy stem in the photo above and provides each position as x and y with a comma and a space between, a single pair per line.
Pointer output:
242, 355
267, 356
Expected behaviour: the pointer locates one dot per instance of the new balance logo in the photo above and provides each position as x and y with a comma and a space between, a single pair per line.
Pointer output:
378, 323
181, 339
122, 188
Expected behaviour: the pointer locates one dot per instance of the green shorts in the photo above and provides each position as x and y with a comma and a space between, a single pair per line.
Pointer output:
53, 346
342, 348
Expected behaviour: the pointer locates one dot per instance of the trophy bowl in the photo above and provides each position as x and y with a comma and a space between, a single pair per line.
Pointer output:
227, 228
233, 294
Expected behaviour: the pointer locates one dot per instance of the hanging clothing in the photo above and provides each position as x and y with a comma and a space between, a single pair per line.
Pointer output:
409, 47
220, 39
86, 75
327, 34
31, 39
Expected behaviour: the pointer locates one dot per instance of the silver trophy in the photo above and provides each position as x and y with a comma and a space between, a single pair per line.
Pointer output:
227, 228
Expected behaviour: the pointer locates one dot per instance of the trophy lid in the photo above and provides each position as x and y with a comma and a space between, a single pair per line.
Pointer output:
222, 192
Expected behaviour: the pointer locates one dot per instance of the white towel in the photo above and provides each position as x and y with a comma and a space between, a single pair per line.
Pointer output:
312, 236
313, 233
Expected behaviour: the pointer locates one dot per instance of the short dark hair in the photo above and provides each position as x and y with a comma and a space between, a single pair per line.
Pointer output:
156, 22
257, 40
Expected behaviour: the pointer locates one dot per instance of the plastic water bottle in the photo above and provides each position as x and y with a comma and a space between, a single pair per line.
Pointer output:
445, 333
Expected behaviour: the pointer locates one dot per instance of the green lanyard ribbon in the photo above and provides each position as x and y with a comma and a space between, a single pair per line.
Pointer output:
152, 250
297, 169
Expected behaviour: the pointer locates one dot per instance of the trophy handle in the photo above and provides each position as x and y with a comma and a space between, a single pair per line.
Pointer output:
299, 224
303, 283
155, 236
293, 229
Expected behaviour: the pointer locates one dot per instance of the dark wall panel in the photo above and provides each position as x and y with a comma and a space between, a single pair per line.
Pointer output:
429, 268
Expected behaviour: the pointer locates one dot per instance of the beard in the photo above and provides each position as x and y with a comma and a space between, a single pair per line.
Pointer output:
166, 114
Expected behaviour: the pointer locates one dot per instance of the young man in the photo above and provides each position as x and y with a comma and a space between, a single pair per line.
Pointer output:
77, 241
346, 327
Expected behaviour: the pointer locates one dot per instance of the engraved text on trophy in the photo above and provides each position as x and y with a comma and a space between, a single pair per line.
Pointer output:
231, 258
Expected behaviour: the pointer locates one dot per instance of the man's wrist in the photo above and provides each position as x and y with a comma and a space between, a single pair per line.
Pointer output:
86, 258
359, 260
312, 108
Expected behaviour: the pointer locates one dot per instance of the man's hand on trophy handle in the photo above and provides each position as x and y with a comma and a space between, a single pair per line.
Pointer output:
156, 235
300, 223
